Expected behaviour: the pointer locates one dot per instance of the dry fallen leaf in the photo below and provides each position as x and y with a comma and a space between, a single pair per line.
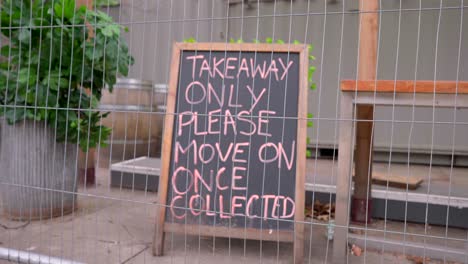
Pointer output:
418, 259
357, 231
320, 211
308, 211
324, 217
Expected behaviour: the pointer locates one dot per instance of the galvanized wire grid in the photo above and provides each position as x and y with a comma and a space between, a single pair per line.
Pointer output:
417, 40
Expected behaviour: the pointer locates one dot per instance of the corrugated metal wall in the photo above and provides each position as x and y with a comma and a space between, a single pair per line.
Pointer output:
206, 20
154, 25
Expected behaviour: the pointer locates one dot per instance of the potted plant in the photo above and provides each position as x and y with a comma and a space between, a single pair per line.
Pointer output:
55, 49
107, 3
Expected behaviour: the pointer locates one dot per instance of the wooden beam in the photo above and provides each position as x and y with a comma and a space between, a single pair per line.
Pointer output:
230, 232
368, 25
158, 238
405, 86
343, 182
301, 159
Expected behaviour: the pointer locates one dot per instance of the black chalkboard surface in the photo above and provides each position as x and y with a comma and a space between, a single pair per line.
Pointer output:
234, 144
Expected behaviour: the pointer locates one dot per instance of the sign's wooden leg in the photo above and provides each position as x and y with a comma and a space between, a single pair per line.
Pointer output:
298, 243
343, 184
158, 241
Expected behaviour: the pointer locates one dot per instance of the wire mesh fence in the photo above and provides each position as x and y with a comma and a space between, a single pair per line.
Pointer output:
152, 131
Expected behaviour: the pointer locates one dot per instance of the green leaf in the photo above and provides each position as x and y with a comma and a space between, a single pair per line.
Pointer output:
123, 67
106, 3
311, 72
23, 76
111, 30
102, 16
5, 51
64, 9
68, 58
310, 123
112, 48
269, 40
72, 116
190, 40
280, 41
24, 35
81, 9
94, 102
14, 115
58, 9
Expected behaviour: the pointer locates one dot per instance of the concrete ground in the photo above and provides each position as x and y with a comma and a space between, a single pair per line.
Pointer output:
113, 225
112, 231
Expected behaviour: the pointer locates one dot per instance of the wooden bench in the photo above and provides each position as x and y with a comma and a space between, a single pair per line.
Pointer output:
372, 93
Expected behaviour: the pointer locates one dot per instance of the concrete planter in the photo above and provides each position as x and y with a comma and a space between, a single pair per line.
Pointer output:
37, 174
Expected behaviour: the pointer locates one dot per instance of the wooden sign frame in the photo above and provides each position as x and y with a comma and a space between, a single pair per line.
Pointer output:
297, 235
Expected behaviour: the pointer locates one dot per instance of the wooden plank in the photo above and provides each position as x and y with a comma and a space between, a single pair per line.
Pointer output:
228, 232
397, 181
405, 86
301, 158
363, 153
251, 47
369, 26
158, 240
343, 183
408, 99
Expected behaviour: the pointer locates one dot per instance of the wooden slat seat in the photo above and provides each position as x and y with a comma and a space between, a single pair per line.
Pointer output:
405, 86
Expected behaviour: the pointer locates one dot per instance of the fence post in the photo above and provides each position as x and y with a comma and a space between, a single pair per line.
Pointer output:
360, 203
362, 200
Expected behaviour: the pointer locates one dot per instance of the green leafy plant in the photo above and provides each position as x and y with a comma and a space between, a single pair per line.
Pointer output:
104, 3
311, 71
58, 60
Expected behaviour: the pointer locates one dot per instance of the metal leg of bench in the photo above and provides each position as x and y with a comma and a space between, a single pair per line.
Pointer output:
346, 133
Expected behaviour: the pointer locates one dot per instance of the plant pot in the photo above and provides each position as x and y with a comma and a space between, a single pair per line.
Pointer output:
37, 174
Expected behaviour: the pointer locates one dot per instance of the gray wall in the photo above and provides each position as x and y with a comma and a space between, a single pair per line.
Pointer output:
155, 24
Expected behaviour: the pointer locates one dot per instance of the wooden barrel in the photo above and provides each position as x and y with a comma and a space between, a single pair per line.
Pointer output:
136, 117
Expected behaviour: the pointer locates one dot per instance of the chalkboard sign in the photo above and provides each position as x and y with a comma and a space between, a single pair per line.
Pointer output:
234, 142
